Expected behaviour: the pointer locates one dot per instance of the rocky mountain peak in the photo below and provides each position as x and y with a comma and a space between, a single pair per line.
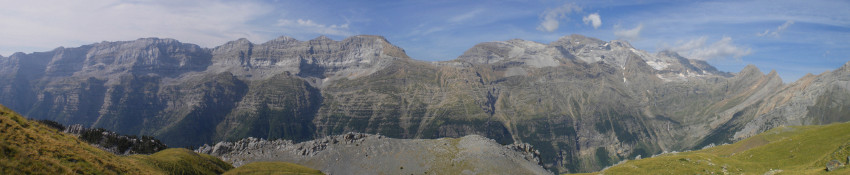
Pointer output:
241, 41
284, 39
319, 58
750, 69
773, 75
668, 53
621, 44
845, 68
515, 52
322, 38
17, 54
617, 53
577, 39
142, 42
373, 37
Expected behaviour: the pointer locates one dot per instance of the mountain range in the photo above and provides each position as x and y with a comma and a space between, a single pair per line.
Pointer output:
583, 102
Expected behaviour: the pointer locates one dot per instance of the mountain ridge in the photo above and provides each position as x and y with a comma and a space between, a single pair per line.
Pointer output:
581, 101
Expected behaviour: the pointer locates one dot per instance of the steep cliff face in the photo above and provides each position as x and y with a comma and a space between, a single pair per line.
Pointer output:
583, 102
318, 60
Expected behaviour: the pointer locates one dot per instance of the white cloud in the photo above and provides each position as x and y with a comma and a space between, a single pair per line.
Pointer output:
593, 19
697, 49
302, 25
551, 16
778, 30
628, 34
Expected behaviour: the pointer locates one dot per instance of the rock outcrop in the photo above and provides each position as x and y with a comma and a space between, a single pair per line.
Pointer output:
357, 153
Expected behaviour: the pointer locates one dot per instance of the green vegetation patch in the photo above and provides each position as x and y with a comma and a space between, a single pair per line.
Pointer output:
184, 161
782, 150
30, 147
273, 168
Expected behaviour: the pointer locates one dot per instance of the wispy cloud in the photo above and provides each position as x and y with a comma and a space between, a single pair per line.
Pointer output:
699, 49
466, 16
593, 19
302, 25
775, 33
628, 34
551, 17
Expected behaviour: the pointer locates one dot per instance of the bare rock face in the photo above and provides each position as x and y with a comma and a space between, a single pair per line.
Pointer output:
812, 100
319, 59
357, 153
583, 103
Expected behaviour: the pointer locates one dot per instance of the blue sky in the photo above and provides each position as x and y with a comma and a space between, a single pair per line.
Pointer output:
791, 37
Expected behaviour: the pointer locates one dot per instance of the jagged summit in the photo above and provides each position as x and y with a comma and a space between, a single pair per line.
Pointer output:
322, 38
240, 40
668, 53
319, 58
750, 69
575, 39
845, 68
668, 65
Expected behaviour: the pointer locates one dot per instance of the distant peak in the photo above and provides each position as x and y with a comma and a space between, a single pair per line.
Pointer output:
577, 39
242, 40
284, 38
573, 36
523, 43
845, 68
751, 69
378, 38
155, 39
772, 73
622, 43
807, 77
669, 53
322, 38
774, 76
516, 40
373, 36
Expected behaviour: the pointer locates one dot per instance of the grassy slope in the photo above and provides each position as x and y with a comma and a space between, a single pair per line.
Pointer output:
785, 150
28, 147
272, 168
